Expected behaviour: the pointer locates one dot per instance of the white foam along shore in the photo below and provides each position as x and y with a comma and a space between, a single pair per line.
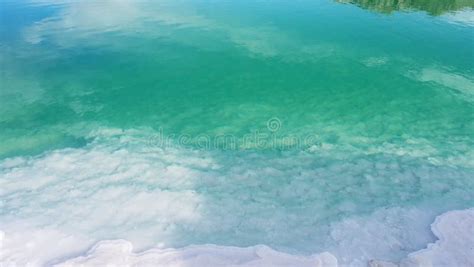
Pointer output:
454, 247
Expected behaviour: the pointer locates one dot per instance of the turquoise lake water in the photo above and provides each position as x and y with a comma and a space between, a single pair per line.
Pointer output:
293, 124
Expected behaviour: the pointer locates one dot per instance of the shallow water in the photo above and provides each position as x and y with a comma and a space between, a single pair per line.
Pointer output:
293, 124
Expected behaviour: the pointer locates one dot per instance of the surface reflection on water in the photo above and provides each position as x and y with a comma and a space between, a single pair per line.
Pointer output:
432, 7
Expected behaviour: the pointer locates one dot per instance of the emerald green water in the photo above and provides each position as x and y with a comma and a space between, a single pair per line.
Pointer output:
321, 68
385, 91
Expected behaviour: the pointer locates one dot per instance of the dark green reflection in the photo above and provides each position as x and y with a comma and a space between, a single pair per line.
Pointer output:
433, 7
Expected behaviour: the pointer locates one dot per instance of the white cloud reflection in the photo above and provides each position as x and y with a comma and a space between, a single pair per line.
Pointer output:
78, 21
82, 19
463, 17
455, 81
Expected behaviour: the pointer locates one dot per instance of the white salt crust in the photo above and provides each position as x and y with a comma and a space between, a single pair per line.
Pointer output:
455, 247
56, 206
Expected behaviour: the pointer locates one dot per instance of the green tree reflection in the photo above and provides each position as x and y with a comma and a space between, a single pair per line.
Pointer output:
432, 7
